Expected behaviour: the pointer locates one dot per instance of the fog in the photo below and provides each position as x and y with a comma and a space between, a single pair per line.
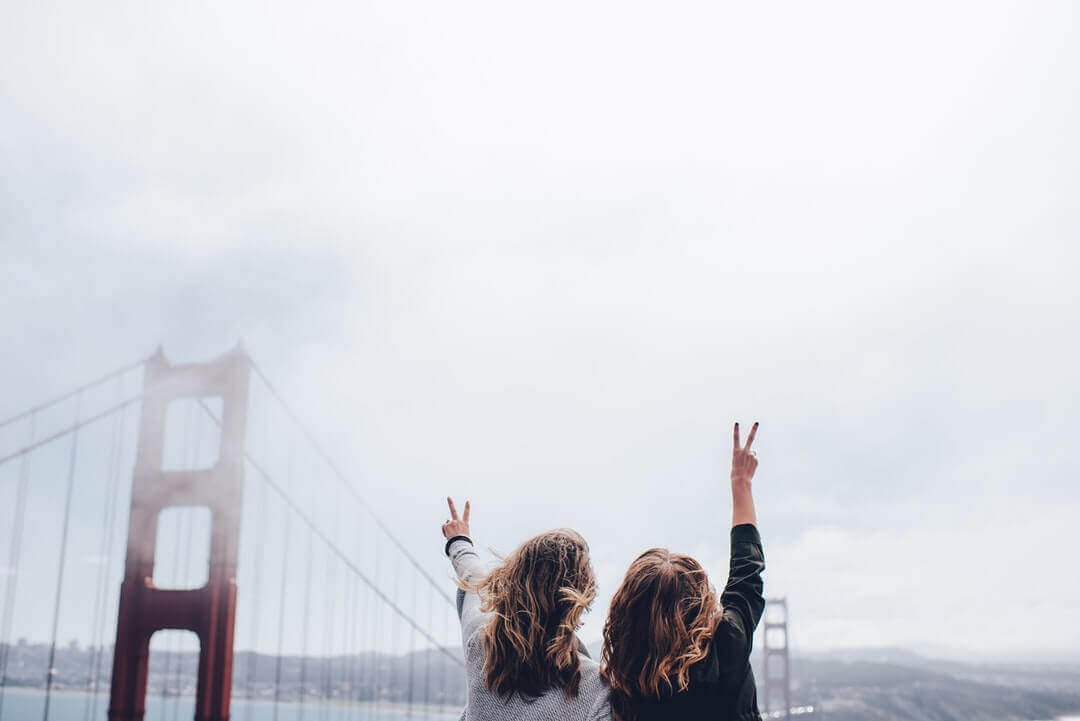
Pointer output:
541, 258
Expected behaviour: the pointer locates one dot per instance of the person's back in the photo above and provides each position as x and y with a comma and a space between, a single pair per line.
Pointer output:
523, 660
671, 650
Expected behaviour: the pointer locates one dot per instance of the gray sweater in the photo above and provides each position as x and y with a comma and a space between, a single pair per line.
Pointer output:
591, 703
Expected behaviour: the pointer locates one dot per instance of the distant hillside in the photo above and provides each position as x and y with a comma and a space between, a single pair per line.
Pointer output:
430, 676
897, 684
851, 685
900, 684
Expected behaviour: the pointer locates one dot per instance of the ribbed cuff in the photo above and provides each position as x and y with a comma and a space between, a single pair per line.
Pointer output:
745, 533
455, 538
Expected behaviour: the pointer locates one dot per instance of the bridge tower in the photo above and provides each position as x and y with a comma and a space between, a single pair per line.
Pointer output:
775, 661
209, 611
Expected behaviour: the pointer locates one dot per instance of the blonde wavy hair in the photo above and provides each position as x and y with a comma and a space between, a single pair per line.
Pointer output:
660, 624
536, 599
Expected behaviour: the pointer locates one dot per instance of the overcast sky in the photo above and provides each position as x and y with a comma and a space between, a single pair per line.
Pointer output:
542, 257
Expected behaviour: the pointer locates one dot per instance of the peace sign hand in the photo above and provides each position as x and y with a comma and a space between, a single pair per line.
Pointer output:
743, 460
456, 526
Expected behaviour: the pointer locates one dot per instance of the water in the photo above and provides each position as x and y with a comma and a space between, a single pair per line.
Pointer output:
29, 705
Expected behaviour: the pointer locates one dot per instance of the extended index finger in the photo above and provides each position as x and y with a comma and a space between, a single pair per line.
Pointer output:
736, 436
466, 516
453, 508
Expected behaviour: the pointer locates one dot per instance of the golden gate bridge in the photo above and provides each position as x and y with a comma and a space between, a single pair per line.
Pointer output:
208, 458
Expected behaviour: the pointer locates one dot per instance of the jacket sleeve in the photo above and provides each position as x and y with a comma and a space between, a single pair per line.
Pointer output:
743, 600
468, 567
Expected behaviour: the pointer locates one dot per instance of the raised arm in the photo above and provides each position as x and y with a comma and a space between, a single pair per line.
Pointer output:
742, 599
467, 566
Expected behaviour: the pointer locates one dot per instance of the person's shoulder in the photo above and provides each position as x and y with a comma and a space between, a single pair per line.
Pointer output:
726, 656
594, 691
600, 706
601, 712
475, 653
589, 665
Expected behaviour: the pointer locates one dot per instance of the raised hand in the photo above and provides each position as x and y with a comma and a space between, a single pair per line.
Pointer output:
743, 460
455, 526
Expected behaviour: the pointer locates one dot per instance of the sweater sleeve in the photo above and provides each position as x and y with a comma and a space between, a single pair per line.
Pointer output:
468, 567
743, 599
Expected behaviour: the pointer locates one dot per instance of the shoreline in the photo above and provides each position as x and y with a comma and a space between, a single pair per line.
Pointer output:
387, 706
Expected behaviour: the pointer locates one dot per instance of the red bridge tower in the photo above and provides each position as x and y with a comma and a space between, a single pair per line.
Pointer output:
209, 611
776, 662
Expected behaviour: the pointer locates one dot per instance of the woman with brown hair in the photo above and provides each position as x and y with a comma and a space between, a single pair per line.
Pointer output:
671, 649
523, 660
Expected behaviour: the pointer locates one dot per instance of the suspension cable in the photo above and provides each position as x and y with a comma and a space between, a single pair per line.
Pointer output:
109, 557
260, 535
70, 429
72, 393
349, 563
307, 615
50, 671
104, 552
354, 673
376, 637
442, 670
371, 624
346, 646
427, 657
331, 608
14, 555
437, 585
394, 636
281, 596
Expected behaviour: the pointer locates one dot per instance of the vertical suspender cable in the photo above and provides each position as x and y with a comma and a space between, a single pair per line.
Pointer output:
412, 655
359, 620
50, 671
104, 551
366, 621
260, 534
430, 654
109, 555
368, 617
394, 635
442, 668
346, 685
324, 656
328, 623
376, 637
307, 615
14, 553
281, 594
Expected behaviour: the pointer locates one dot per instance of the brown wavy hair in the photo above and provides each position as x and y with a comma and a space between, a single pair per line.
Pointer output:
536, 599
660, 624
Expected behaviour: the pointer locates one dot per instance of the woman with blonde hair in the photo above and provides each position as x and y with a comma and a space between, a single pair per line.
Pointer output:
523, 660
672, 650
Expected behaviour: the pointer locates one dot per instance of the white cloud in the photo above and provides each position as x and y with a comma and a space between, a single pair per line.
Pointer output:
965, 586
